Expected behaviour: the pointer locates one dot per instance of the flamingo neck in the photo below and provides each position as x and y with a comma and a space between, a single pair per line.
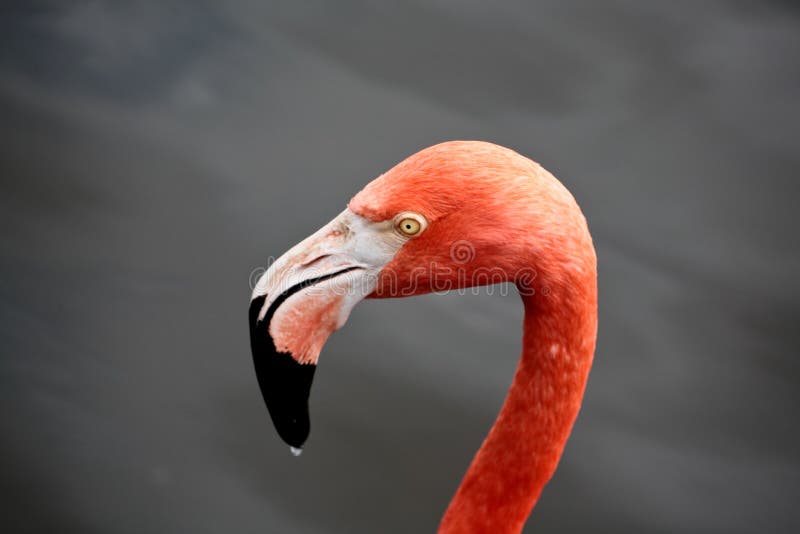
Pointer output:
522, 449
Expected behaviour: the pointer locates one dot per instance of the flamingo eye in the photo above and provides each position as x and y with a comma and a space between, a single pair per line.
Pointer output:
409, 225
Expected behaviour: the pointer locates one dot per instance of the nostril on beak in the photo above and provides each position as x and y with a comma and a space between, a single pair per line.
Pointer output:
313, 261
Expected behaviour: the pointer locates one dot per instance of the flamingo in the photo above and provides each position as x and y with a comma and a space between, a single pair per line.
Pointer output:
400, 236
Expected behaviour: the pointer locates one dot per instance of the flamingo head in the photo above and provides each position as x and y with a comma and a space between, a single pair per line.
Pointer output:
454, 215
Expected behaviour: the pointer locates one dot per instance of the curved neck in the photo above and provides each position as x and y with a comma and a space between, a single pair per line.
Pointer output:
522, 449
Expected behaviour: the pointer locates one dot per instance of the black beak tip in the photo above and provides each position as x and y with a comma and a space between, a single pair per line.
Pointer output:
293, 428
285, 384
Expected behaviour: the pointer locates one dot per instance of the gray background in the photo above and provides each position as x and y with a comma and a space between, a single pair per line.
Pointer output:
153, 155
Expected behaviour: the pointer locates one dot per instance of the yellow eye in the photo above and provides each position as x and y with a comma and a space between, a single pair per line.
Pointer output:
409, 226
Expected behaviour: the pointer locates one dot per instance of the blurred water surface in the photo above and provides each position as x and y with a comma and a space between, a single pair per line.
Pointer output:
154, 154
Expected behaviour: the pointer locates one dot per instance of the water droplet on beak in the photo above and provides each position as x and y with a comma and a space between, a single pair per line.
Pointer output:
296, 451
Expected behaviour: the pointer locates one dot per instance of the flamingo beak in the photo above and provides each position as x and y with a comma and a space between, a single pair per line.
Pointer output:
300, 300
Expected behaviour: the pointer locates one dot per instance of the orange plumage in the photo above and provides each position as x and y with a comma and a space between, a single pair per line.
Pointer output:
522, 222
